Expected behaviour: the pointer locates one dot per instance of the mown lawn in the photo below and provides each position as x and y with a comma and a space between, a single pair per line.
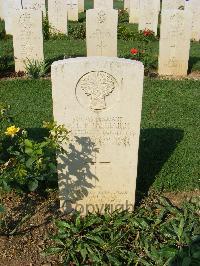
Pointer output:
169, 145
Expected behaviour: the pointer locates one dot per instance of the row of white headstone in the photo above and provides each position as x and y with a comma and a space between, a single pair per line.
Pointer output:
101, 35
101, 31
180, 23
145, 13
58, 11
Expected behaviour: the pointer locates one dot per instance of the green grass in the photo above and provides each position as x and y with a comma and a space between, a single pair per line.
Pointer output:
169, 145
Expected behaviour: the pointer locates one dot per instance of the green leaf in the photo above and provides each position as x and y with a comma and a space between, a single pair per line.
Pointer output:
33, 185
168, 252
53, 250
2, 209
28, 143
29, 162
186, 261
181, 226
113, 260
62, 224
83, 251
28, 150
97, 239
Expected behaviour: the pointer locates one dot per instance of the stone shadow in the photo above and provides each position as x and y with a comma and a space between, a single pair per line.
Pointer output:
156, 146
76, 175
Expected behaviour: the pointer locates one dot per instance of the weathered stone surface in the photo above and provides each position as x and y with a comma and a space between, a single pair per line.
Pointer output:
174, 42
101, 32
103, 4
72, 9
127, 5
172, 4
27, 37
35, 4
148, 17
9, 9
57, 14
194, 7
100, 100
81, 6
134, 11
158, 5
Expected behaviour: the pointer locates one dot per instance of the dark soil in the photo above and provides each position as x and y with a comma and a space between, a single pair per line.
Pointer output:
29, 222
22, 243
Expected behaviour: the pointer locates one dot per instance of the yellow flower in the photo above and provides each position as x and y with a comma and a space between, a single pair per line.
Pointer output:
12, 131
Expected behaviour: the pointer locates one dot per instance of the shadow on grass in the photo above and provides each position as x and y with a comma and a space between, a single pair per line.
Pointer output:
37, 134
156, 146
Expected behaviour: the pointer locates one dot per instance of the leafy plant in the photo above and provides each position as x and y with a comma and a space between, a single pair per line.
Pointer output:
2, 30
5, 112
146, 56
77, 31
155, 234
123, 16
5, 61
26, 163
36, 69
46, 27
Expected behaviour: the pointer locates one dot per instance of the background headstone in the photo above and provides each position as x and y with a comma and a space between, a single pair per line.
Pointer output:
134, 11
27, 37
148, 17
158, 5
103, 4
72, 10
194, 7
174, 42
35, 4
101, 32
127, 5
81, 6
57, 14
172, 4
9, 9
100, 100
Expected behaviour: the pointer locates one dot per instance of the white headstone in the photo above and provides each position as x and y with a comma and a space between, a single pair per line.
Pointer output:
194, 7
172, 4
103, 4
81, 6
72, 8
148, 17
35, 4
101, 32
174, 42
9, 9
1, 9
134, 11
57, 14
27, 38
100, 100
127, 5
158, 5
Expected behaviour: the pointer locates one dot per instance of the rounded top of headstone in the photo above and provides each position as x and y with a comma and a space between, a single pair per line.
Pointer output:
98, 59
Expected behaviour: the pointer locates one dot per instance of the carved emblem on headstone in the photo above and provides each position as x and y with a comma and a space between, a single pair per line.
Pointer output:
101, 16
97, 85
